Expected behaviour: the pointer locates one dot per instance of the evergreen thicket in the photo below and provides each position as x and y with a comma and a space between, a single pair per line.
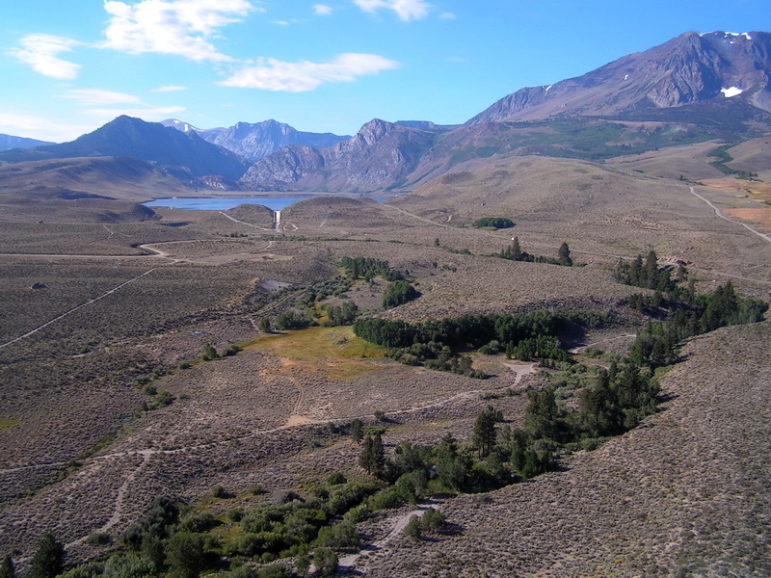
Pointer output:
514, 252
494, 222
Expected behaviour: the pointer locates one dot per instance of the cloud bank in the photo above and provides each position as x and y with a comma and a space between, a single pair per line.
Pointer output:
272, 74
40, 52
178, 27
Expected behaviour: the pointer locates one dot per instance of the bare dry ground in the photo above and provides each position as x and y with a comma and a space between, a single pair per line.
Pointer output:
685, 494
753, 155
689, 161
601, 211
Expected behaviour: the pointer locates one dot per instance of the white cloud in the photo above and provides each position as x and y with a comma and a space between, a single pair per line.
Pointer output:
97, 97
271, 74
447, 16
405, 9
31, 126
40, 50
169, 88
180, 27
322, 10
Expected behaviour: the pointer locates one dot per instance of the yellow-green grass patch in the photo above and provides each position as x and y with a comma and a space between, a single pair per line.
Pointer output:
9, 422
317, 343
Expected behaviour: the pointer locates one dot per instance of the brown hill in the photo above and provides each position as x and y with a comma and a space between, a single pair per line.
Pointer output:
95, 177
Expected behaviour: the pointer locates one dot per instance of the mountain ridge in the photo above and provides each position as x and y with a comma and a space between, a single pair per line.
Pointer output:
684, 70
126, 136
254, 141
692, 88
380, 155
695, 87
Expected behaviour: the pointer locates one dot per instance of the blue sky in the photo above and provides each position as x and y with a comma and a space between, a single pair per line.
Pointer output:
319, 65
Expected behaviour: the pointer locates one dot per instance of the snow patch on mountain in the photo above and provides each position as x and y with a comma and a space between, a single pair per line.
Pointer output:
733, 91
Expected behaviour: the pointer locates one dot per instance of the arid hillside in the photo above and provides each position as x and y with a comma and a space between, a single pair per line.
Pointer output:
685, 494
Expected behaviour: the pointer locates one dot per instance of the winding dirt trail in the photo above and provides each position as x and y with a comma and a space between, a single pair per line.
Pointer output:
720, 214
348, 563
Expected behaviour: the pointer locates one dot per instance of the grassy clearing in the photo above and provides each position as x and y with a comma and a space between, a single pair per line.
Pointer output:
313, 343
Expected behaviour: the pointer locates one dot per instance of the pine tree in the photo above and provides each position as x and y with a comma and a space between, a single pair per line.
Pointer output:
564, 255
484, 433
48, 560
372, 457
651, 270
356, 430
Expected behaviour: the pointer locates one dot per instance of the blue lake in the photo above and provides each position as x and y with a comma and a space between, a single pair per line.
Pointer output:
225, 203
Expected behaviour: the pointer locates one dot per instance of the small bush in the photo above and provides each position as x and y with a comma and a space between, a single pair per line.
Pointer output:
325, 561
414, 528
338, 536
336, 478
98, 539
433, 519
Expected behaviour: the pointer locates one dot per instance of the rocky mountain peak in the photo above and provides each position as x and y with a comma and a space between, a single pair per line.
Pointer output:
688, 69
374, 130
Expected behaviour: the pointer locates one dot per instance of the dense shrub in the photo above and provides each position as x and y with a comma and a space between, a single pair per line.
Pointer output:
494, 222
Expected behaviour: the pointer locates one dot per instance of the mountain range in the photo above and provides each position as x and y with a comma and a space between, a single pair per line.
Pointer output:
692, 88
131, 137
253, 141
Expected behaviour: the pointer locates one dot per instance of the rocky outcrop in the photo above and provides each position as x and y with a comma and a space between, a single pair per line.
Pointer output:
381, 155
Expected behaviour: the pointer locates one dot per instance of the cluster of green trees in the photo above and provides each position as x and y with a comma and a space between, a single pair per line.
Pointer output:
293, 319
647, 274
344, 314
657, 343
398, 293
210, 353
435, 343
543, 347
470, 330
492, 458
368, 268
436, 356
321, 290
432, 520
310, 301
514, 252
173, 539
494, 222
